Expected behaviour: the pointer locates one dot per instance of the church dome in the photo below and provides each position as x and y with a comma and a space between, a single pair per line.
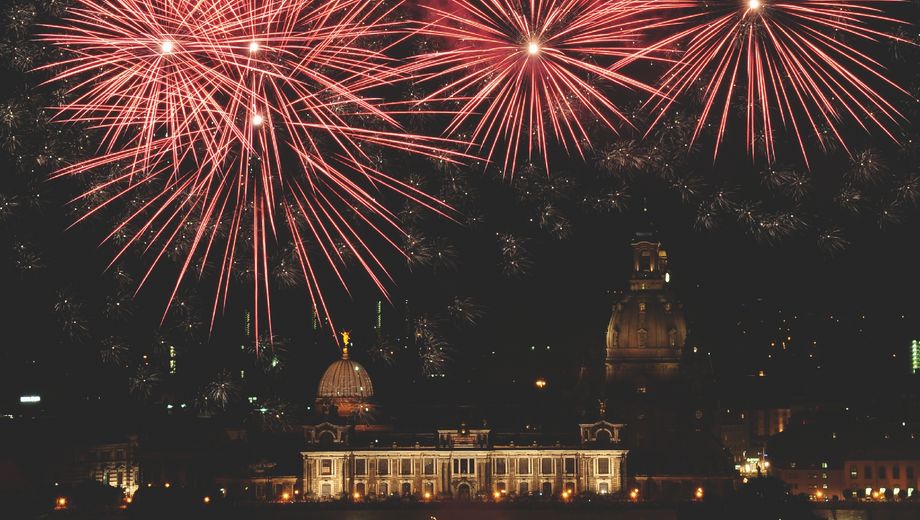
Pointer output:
647, 329
345, 379
649, 319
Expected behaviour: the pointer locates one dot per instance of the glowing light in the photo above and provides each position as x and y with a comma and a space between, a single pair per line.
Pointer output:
533, 48
30, 399
206, 500
253, 46
634, 494
541, 383
166, 47
60, 503
427, 495
754, 5
496, 495
167, 485
356, 495
698, 494
257, 120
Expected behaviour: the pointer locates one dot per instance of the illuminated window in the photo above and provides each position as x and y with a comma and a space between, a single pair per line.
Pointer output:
523, 466
325, 467
429, 488
603, 488
854, 473
603, 466
384, 489
569, 466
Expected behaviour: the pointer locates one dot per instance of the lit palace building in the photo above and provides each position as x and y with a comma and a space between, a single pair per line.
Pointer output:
657, 416
363, 460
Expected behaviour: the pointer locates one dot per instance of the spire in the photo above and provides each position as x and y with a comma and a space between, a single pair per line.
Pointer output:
346, 340
650, 260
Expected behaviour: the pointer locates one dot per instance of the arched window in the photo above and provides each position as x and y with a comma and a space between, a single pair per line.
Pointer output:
603, 436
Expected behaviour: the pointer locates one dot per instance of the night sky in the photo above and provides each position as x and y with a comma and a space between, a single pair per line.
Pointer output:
839, 279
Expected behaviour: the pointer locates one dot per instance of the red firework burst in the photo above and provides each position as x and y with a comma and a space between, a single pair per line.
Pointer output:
797, 62
249, 116
524, 72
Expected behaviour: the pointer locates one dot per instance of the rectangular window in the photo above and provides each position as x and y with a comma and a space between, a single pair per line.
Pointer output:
569, 466
910, 472
501, 466
854, 473
405, 466
428, 467
464, 466
429, 488
546, 466
895, 471
525, 489
360, 466
523, 466
326, 490
325, 467
603, 466
383, 467
867, 471
603, 488
881, 472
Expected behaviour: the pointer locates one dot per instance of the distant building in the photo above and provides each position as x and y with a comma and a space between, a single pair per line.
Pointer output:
462, 464
886, 476
915, 357
112, 464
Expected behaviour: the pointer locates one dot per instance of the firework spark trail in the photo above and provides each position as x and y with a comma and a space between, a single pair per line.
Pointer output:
240, 116
790, 61
523, 73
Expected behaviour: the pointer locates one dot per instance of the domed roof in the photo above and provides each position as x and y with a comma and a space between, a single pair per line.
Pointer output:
648, 319
345, 379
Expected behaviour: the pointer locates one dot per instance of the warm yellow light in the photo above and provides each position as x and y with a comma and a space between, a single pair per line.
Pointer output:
753, 5
128, 500
819, 494
356, 495
253, 46
167, 46
699, 493
497, 495
285, 496
61, 502
427, 495
541, 383
167, 484
206, 500
257, 120
634, 494
533, 48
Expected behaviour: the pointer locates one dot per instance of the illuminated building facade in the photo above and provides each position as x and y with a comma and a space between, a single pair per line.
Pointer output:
881, 478
915, 357
113, 464
462, 464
